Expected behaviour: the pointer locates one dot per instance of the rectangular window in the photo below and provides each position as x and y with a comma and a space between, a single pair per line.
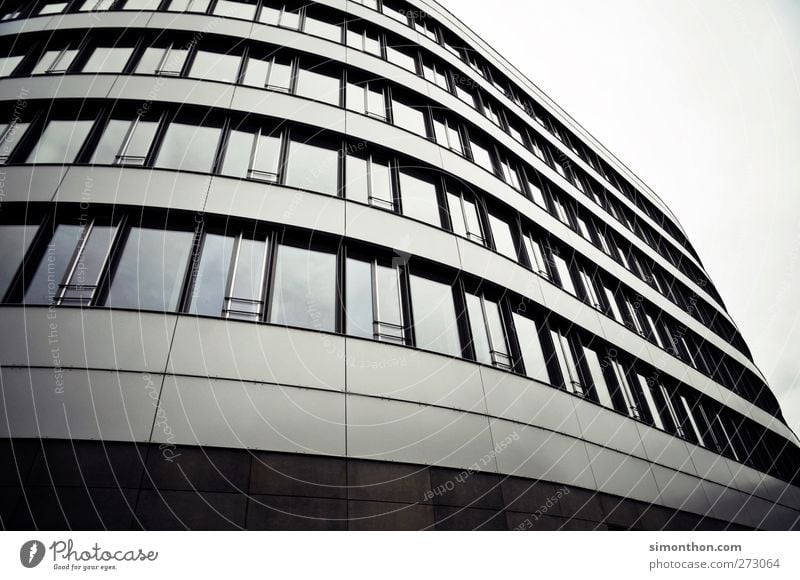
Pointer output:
374, 301
622, 382
15, 239
569, 369
536, 193
510, 175
108, 60
395, 13
60, 142
304, 292
488, 332
243, 10
322, 28
142, 5
285, 15
644, 384
96, 5
312, 167
402, 57
125, 142
419, 198
436, 74
464, 217
409, 117
188, 148
167, 61
252, 155
598, 380
503, 238
490, 111
481, 156
536, 255
369, 180
426, 28
245, 296
673, 414
55, 61
44, 287
611, 301
151, 269
10, 135
447, 134
365, 40
367, 99
188, 5
435, 326
52, 8
80, 283
8, 64
319, 85
564, 277
215, 66
531, 348
212, 275
273, 73
591, 296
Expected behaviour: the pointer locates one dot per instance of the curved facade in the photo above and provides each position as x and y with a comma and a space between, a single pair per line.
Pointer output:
339, 265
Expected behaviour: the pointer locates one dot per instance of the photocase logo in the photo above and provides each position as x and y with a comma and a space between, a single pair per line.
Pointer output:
31, 553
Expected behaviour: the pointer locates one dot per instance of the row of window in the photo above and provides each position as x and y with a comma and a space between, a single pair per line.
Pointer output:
282, 70
319, 21
284, 155
253, 154
249, 272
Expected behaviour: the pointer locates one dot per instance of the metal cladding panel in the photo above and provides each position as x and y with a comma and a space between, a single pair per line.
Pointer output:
660, 447
242, 414
681, 491
382, 370
254, 352
29, 183
621, 474
407, 432
77, 404
611, 429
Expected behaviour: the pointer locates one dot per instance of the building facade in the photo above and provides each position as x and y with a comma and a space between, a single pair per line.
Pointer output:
338, 265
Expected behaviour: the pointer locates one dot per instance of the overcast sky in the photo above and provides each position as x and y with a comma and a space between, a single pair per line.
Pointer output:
701, 99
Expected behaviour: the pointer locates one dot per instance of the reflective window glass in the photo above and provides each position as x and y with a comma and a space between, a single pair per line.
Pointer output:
304, 292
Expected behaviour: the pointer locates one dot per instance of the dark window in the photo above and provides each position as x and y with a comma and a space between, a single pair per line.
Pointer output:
15, 239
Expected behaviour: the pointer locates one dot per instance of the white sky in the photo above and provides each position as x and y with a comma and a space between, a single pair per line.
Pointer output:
701, 99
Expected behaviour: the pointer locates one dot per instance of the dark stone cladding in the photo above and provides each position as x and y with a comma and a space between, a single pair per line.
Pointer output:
93, 485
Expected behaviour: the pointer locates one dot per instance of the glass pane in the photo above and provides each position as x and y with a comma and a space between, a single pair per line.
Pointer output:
435, 325
139, 143
401, 59
248, 280
305, 289
598, 380
532, 354
535, 255
313, 168
149, 61
60, 142
419, 199
376, 105
569, 371
242, 10
318, 86
214, 66
456, 215
86, 271
357, 186
211, 280
151, 270
648, 397
497, 333
14, 243
482, 157
503, 240
389, 315
8, 64
107, 60
237, 154
54, 61
324, 29
381, 181
255, 74
10, 139
189, 5
44, 286
52, 8
354, 98
409, 118
265, 164
111, 142
142, 4
358, 298
188, 148
480, 338
564, 274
